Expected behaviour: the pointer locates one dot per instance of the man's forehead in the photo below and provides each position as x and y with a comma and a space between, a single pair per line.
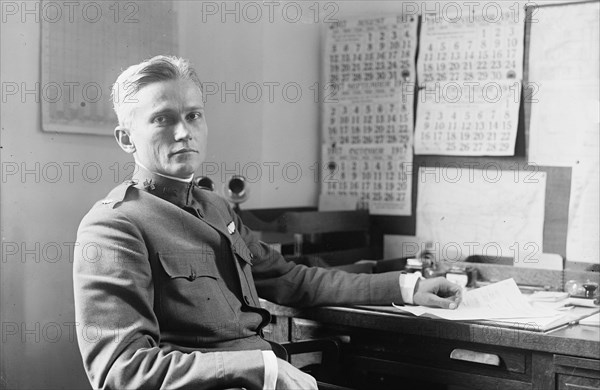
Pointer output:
163, 93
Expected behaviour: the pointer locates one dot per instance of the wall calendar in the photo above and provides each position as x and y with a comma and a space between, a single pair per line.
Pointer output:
469, 75
368, 122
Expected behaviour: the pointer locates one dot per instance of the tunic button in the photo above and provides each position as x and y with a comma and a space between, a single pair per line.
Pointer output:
247, 299
192, 276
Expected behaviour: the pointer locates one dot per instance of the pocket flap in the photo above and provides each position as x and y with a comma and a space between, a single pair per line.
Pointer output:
189, 265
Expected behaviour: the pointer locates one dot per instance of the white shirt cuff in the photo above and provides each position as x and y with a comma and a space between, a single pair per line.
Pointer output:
407, 286
271, 370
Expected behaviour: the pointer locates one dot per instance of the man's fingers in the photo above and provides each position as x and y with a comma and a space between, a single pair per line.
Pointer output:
445, 303
438, 292
449, 287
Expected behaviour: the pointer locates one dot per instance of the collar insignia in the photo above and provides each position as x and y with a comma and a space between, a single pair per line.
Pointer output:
149, 185
231, 227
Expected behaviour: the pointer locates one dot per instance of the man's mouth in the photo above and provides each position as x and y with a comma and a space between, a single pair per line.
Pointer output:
184, 150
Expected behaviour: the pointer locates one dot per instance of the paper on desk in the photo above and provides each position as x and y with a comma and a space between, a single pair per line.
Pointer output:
548, 296
554, 300
501, 300
537, 324
570, 317
593, 320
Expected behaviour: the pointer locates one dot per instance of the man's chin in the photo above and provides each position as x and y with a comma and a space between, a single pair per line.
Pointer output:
185, 167
183, 172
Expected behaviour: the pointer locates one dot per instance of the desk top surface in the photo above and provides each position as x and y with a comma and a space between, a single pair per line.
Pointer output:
577, 340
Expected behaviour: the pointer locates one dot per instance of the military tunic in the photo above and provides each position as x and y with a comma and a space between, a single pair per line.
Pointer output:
167, 280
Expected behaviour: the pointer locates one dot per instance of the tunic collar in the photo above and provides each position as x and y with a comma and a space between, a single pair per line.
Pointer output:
174, 191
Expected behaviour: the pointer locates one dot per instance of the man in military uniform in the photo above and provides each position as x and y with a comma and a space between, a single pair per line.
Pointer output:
166, 275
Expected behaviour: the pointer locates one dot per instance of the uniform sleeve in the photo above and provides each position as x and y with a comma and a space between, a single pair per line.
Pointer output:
291, 284
118, 332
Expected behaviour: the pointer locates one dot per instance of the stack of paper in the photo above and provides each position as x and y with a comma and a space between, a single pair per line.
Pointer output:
548, 296
550, 300
501, 303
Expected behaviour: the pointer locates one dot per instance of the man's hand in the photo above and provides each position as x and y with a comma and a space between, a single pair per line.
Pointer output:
289, 377
437, 292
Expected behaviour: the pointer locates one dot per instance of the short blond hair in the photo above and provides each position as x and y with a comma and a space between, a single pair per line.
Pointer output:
136, 77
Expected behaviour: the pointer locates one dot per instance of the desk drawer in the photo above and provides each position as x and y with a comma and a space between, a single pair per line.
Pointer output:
575, 373
372, 373
301, 329
569, 382
453, 355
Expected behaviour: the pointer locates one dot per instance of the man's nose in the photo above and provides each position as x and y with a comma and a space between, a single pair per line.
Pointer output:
182, 131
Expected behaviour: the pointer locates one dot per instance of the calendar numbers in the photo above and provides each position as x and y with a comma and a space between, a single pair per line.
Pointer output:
368, 131
368, 123
469, 128
469, 86
377, 175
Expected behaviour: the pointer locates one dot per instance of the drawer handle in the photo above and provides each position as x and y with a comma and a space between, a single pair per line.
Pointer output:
475, 357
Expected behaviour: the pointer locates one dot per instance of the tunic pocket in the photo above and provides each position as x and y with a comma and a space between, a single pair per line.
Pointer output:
189, 265
191, 293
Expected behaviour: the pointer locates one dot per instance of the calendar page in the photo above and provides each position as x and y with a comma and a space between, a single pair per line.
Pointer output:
375, 170
82, 58
469, 71
473, 125
368, 121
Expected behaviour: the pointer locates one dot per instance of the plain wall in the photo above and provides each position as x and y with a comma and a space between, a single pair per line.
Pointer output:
262, 117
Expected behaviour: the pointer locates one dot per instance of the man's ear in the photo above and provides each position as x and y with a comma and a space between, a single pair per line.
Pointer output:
122, 134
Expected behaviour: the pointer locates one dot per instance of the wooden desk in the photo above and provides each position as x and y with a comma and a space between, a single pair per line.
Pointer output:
383, 350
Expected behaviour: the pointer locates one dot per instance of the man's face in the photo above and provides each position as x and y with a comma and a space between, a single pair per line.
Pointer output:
168, 128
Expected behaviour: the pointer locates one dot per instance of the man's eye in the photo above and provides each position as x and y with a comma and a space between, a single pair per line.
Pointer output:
194, 116
161, 120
